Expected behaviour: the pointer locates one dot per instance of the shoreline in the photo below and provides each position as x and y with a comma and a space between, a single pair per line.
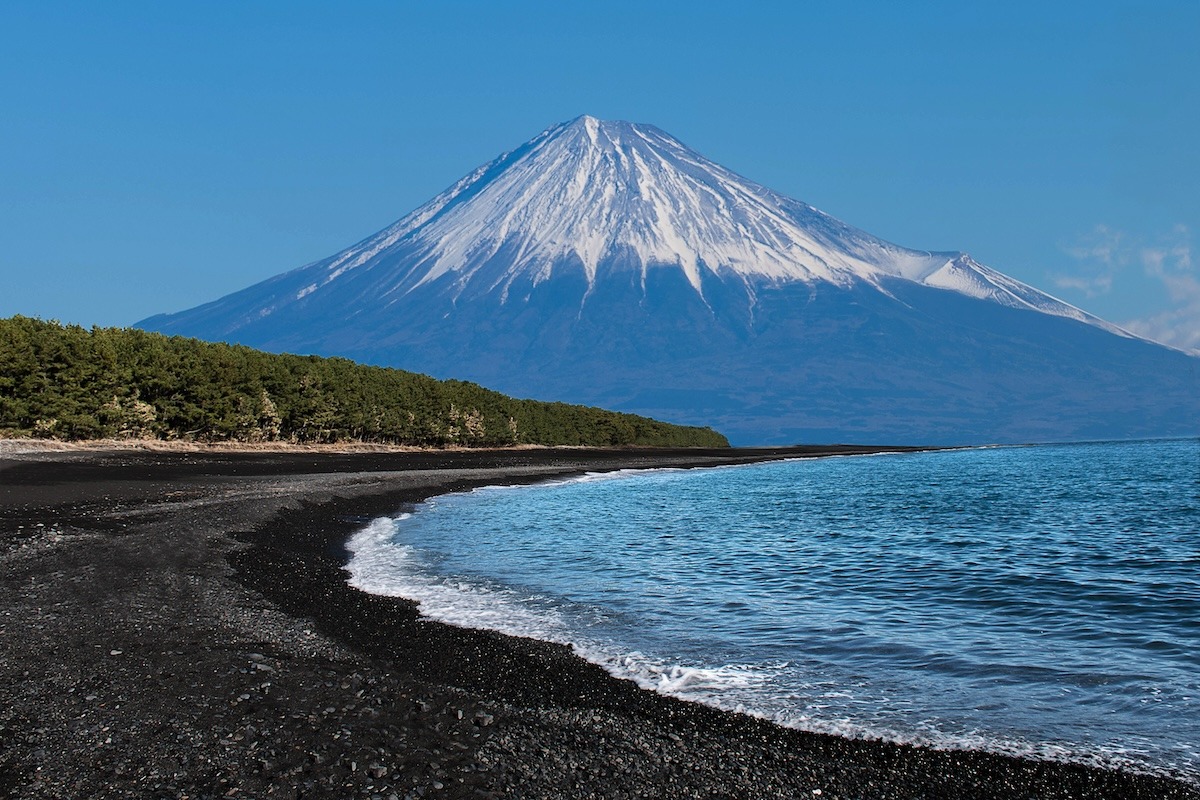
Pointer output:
669, 677
216, 570
19, 447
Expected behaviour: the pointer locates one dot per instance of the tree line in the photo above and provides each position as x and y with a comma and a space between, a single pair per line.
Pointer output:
72, 383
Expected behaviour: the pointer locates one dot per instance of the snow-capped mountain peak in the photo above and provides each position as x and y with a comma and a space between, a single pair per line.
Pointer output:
607, 263
602, 195
588, 190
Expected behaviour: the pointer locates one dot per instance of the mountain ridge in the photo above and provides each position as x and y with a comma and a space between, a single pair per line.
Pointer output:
598, 246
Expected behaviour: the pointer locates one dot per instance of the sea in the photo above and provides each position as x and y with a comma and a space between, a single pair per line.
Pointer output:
1040, 601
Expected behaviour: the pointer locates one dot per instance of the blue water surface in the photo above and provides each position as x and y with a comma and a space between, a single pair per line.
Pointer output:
1037, 600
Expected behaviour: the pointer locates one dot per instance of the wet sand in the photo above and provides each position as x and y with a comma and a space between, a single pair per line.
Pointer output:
177, 624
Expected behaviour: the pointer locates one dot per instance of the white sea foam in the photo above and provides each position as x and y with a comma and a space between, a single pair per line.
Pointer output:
381, 566
824, 693
714, 685
597, 477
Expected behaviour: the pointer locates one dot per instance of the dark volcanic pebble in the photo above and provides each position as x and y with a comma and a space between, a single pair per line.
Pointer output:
178, 625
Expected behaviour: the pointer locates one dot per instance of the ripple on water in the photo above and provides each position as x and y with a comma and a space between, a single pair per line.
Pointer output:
1035, 600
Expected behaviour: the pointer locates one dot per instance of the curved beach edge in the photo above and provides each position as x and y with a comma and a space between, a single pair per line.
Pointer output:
182, 624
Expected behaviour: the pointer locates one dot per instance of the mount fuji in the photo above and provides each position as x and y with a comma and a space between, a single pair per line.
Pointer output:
607, 263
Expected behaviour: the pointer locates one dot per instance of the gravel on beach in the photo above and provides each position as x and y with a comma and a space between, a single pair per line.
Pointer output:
178, 624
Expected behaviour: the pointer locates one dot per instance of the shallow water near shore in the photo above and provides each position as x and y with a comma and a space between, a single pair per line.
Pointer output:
1035, 600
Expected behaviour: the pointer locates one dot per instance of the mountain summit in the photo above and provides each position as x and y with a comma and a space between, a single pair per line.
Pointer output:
606, 262
602, 196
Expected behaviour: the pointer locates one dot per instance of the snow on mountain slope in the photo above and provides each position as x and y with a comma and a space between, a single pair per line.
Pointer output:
606, 263
587, 192
964, 275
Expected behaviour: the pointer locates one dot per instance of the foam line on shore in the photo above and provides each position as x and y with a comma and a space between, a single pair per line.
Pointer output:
380, 566
253, 567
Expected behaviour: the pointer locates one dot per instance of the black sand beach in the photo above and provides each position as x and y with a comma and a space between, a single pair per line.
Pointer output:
177, 624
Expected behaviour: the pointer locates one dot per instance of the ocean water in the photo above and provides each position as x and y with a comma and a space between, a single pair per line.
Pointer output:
1037, 600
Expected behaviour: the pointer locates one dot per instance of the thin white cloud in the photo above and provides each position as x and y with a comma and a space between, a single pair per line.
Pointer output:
1102, 245
1176, 328
1090, 286
1170, 262
1104, 253
1099, 255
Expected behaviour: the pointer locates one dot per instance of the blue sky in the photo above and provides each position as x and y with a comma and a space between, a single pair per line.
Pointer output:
154, 156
